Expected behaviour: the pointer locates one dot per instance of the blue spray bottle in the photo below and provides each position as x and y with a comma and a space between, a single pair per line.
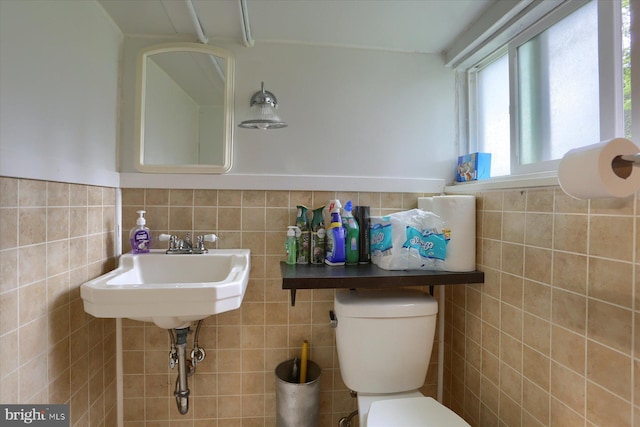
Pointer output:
336, 235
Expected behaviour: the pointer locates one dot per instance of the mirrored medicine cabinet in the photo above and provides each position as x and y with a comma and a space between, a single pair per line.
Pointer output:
184, 109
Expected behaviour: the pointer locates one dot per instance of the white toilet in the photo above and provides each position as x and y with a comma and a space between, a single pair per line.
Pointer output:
384, 340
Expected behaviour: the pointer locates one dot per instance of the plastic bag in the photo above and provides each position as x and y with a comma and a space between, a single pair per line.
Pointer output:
409, 240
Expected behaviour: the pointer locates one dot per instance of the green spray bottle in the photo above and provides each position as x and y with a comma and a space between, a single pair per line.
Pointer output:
353, 234
291, 245
304, 235
318, 236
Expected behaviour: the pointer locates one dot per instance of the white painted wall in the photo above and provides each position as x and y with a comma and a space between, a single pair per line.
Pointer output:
351, 113
59, 91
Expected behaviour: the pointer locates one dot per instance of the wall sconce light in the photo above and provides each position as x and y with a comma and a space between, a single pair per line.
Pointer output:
262, 114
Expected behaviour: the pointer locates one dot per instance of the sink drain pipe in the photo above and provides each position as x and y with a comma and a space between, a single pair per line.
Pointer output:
182, 389
186, 367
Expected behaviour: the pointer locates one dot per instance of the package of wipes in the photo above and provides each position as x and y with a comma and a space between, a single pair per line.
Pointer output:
409, 240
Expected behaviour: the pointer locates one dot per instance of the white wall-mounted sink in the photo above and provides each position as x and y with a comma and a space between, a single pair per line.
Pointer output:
170, 290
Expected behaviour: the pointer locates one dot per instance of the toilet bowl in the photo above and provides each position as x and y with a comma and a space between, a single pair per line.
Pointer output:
384, 340
412, 412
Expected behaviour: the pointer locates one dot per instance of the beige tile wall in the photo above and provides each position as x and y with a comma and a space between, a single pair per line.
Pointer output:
552, 336
53, 237
235, 385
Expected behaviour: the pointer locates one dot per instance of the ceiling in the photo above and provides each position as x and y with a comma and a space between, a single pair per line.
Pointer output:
425, 26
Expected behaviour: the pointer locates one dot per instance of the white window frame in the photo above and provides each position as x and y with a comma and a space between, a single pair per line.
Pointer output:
610, 80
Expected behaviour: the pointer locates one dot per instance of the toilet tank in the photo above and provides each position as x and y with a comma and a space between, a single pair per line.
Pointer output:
384, 338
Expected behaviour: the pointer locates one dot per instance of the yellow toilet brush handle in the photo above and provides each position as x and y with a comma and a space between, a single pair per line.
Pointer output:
303, 361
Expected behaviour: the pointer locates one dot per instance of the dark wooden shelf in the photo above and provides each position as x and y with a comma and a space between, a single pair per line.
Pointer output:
312, 276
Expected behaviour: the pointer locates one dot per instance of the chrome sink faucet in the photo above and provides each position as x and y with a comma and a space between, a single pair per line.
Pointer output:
185, 246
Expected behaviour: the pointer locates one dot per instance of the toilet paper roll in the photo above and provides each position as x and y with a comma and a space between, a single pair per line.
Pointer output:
587, 172
459, 213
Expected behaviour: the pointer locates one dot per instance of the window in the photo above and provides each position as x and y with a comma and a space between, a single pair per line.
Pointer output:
492, 120
563, 81
626, 65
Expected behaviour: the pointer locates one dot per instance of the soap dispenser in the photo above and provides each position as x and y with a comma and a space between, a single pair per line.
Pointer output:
140, 237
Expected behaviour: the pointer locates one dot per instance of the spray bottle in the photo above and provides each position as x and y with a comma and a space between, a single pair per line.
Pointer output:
291, 245
335, 237
318, 236
352, 234
304, 235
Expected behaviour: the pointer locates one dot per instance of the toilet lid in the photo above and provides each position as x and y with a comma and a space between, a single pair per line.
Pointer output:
412, 412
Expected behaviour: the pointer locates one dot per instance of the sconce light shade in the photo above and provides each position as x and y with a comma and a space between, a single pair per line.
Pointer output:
262, 114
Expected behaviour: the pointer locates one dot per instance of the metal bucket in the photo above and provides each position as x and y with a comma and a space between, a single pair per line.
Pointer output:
297, 404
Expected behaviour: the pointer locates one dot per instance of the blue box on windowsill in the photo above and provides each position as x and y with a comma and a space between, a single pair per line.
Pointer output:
474, 166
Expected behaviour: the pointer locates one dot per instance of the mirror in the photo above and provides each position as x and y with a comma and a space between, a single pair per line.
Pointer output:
184, 109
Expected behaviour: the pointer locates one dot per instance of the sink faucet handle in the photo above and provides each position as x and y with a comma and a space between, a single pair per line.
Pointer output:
200, 248
173, 241
200, 243
210, 238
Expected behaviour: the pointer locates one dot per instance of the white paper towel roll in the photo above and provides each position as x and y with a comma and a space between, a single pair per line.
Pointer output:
459, 213
586, 172
425, 203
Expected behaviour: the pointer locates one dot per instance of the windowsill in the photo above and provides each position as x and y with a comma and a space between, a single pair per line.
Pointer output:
541, 179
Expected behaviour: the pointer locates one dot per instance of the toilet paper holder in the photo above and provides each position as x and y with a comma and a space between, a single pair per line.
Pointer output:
601, 170
635, 158
623, 165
